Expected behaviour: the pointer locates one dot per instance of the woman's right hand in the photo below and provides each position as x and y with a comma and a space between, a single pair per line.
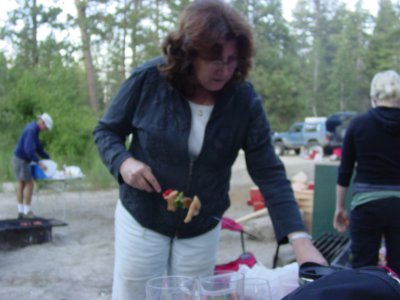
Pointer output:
139, 175
340, 220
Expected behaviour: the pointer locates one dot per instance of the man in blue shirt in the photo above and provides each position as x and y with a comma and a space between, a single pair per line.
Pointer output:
26, 152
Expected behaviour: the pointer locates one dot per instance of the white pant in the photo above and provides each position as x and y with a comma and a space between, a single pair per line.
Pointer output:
141, 254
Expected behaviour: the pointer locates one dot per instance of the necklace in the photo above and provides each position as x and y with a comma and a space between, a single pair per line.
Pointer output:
200, 111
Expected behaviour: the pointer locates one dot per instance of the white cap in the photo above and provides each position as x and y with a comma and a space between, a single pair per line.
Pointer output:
48, 121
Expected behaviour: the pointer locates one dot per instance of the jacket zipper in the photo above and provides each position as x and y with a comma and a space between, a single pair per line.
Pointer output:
192, 161
180, 211
190, 171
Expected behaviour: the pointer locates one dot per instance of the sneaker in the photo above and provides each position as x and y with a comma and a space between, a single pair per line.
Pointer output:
20, 216
29, 215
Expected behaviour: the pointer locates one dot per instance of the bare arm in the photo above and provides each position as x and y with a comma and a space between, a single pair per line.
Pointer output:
305, 251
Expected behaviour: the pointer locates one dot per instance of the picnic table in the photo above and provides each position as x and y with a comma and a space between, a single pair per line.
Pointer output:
60, 185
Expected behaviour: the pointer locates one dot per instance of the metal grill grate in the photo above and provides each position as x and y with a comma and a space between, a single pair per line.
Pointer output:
335, 248
15, 233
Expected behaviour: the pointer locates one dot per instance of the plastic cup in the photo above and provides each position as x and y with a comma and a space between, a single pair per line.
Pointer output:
171, 288
227, 285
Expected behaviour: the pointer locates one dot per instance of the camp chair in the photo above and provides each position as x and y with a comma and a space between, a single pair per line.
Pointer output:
246, 258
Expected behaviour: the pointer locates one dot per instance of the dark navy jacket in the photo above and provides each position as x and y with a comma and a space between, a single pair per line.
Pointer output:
372, 145
159, 119
29, 144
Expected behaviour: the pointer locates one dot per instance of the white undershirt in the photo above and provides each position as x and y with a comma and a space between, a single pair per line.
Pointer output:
200, 116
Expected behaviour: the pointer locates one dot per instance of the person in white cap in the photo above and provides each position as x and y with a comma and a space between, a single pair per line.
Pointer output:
28, 150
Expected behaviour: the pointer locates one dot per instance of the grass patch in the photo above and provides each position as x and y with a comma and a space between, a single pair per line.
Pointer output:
96, 174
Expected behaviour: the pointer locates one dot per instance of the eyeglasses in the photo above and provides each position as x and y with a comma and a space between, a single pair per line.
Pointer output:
230, 62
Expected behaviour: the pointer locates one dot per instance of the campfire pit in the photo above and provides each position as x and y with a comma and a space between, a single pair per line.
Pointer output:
16, 233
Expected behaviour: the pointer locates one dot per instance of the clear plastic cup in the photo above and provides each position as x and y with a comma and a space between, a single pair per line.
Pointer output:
171, 288
226, 285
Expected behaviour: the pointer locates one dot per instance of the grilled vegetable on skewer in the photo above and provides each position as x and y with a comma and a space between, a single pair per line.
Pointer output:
176, 199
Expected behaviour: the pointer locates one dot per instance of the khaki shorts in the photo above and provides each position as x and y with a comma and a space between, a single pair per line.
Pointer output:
22, 169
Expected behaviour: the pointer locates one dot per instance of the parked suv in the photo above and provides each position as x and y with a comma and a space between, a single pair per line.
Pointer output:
336, 126
307, 134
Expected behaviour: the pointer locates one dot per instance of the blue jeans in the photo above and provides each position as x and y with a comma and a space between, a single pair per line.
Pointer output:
370, 222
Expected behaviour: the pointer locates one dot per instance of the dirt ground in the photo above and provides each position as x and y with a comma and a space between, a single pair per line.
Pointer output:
77, 263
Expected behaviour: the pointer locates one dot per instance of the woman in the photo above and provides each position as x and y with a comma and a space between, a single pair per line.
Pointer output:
190, 113
372, 147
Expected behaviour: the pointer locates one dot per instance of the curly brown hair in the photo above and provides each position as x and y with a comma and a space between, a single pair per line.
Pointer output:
204, 26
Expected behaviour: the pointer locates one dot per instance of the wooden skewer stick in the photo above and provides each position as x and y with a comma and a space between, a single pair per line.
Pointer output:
253, 215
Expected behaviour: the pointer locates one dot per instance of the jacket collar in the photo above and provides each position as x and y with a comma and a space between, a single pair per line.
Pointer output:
223, 99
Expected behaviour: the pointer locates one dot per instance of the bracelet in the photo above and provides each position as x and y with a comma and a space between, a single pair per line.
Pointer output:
299, 235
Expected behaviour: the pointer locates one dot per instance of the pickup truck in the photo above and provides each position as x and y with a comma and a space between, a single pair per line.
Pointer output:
306, 134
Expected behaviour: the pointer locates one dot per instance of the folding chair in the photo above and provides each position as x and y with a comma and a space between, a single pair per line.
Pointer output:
246, 258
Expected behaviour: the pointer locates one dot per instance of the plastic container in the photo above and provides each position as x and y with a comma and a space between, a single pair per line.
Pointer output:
51, 167
37, 172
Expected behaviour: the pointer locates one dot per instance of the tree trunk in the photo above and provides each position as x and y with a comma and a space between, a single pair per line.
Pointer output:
157, 21
34, 53
124, 35
317, 49
134, 38
90, 71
